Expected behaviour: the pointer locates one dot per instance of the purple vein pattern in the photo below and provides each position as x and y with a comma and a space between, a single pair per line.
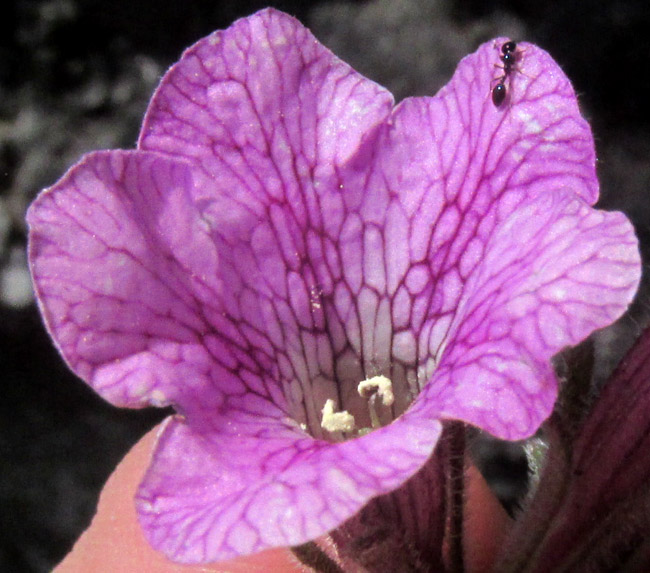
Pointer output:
284, 232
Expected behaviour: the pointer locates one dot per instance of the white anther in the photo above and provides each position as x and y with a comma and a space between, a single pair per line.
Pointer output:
379, 385
336, 421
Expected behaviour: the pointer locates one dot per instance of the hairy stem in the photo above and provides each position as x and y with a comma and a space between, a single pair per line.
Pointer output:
313, 556
456, 437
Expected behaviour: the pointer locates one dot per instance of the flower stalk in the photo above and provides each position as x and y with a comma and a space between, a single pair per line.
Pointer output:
456, 439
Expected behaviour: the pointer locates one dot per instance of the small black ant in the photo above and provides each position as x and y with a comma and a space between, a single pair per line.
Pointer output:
508, 57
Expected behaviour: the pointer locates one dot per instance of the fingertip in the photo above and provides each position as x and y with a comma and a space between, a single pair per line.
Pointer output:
114, 541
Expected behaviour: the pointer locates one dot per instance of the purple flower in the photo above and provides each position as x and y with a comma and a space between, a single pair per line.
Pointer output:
284, 233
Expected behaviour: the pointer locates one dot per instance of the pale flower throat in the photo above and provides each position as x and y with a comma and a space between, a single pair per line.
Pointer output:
378, 391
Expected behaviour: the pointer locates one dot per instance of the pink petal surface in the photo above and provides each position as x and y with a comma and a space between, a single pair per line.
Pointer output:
281, 235
552, 272
217, 495
121, 307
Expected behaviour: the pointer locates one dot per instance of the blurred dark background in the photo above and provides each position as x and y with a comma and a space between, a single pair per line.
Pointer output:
76, 75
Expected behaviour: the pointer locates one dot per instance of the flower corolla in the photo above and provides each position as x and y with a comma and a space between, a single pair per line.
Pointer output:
315, 278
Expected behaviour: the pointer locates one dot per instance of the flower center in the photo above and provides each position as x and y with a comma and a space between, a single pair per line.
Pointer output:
377, 391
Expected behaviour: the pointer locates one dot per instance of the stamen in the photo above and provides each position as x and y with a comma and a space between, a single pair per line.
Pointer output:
377, 385
336, 421
371, 389
372, 410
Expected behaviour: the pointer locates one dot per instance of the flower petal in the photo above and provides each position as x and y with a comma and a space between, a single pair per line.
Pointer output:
125, 270
266, 110
269, 117
496, 261
119, 258
257, 483
551, 273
